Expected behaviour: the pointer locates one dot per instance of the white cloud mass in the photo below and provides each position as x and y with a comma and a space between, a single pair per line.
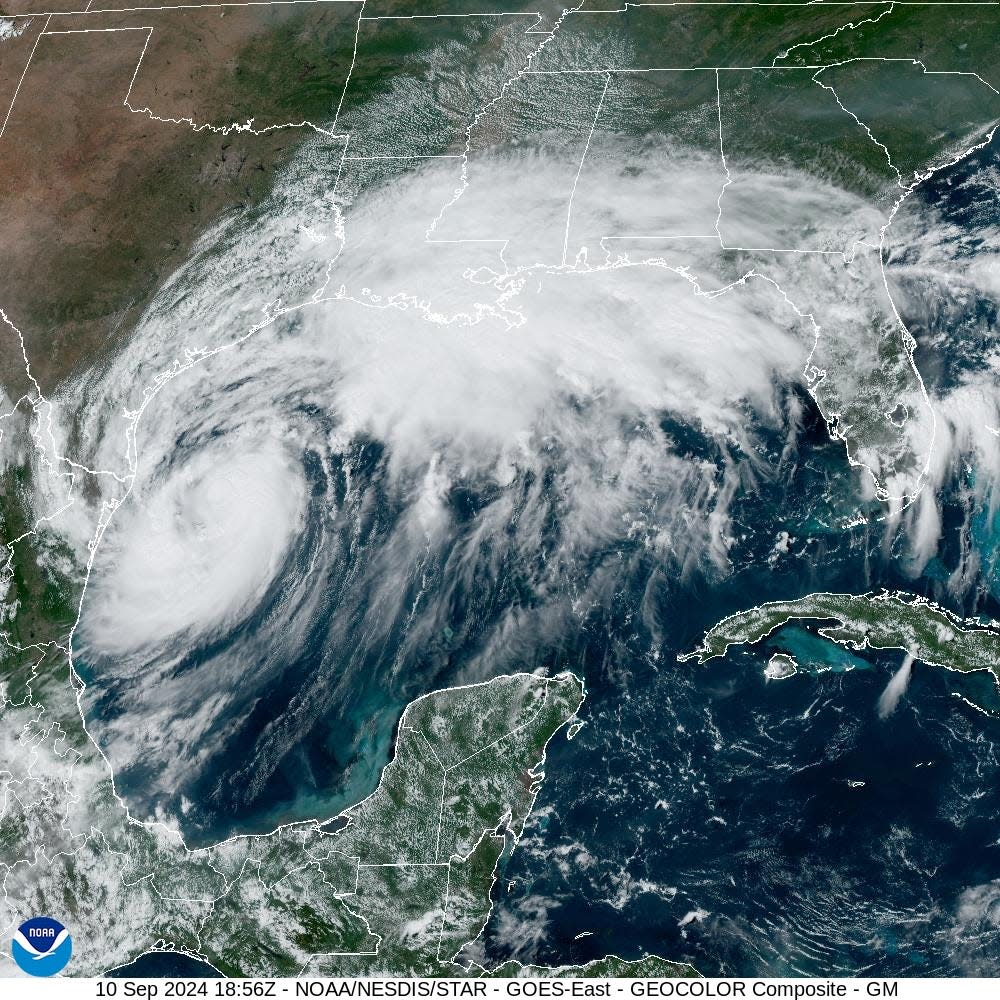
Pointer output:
245, 411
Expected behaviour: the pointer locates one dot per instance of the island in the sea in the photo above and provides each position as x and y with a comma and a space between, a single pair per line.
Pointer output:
878, 621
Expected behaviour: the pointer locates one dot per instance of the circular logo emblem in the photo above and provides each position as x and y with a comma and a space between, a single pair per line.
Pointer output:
41, 946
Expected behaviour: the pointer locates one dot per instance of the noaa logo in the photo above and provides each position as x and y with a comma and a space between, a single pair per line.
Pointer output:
41, 946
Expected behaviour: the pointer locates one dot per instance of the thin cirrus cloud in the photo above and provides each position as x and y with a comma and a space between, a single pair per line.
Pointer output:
540, 386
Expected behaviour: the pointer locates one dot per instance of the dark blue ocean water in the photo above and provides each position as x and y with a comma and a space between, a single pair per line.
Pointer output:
165, 965
710, 794
702, 813
707, 815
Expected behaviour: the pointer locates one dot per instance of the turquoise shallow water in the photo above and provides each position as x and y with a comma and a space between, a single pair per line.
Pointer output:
701, 813
784, 828
813, 652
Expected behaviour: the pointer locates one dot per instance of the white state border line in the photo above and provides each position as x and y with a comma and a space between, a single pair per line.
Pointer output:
203, 126
906, 498
77, 685
42, 401
850, 26
951, 4
579, 169
751, 68
897, 502
24, 73
91, 11
525, 681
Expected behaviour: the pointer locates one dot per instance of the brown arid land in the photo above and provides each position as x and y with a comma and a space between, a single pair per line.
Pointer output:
100, 200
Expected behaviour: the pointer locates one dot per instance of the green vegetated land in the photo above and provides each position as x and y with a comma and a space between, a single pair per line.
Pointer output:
39, 574
397, 885
898, 71
405, 883
946, 37
430, 77
867, 621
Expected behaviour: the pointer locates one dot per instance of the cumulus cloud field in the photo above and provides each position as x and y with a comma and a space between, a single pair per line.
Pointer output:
517, 323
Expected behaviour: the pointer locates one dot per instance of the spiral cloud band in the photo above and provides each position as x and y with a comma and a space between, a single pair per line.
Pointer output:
342, 422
